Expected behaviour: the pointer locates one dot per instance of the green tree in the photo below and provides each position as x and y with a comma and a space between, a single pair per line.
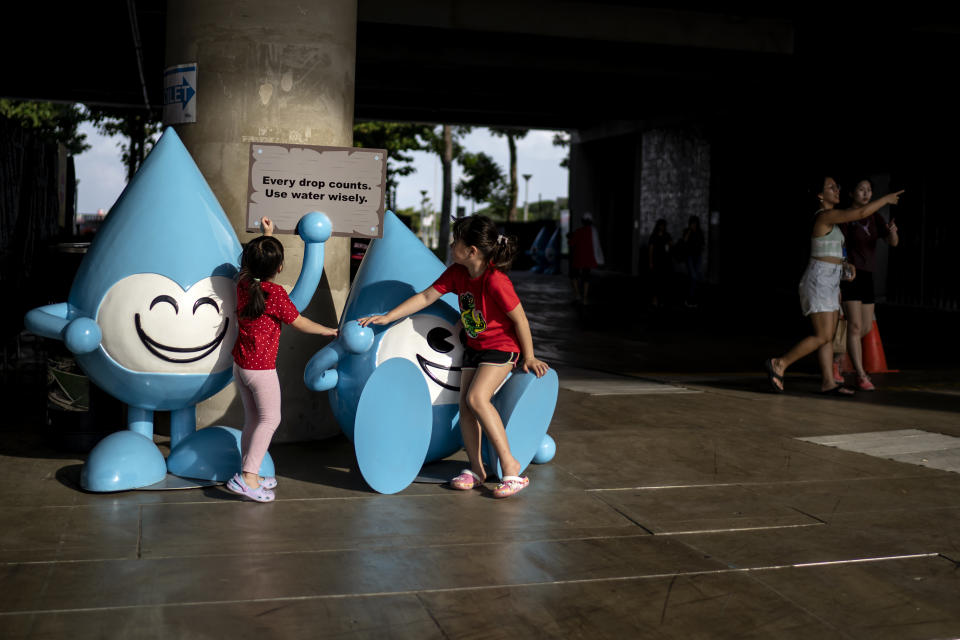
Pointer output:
562, 139
445, 142
398, 139
512, 135
53, 122
138, 128
483, 182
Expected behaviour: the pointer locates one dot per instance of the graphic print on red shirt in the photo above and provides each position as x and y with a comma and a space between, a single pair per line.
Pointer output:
484, 303
258, 339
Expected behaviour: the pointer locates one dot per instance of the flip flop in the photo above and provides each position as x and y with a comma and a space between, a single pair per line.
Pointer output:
839, 390
466, 480
772, 376
511, 485
864, 384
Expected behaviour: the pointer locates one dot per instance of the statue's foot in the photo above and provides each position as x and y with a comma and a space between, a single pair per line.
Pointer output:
546, 450
526, 404
391, 433
212, 453
123, 460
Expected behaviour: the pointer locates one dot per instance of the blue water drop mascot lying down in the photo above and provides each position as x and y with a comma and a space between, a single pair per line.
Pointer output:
151, 319
395, 388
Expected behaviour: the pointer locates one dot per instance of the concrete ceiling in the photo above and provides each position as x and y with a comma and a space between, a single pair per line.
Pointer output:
524, 63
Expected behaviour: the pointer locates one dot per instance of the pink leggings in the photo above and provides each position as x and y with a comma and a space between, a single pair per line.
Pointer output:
260, 393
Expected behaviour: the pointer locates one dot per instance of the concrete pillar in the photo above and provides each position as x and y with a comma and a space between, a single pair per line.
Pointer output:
279, 71
675, 182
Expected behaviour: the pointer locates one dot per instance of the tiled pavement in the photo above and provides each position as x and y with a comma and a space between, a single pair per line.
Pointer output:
681, 504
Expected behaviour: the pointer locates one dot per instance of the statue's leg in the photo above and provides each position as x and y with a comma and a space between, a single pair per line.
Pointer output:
125, 459
183, 422
140, 421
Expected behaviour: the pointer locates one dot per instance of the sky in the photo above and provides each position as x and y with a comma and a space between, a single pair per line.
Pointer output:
101, 175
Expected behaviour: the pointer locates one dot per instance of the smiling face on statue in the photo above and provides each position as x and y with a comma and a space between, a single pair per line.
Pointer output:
435, 346
151, 325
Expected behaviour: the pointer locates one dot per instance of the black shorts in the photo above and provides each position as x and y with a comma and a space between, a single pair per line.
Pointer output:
472, 358
860, 289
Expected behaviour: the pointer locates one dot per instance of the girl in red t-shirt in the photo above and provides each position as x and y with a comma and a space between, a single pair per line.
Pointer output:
498, 333
261, 308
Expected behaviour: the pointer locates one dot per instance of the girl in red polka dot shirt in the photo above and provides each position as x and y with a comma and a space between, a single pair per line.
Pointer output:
262, 308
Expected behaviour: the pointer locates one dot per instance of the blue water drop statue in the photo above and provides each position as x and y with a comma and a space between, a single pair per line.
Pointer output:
395, 389
151, 319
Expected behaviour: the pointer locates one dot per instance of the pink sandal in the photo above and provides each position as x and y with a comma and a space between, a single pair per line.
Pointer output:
466, 480
864, 384
511, 485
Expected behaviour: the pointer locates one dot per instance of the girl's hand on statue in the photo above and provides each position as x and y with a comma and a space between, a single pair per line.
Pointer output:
532, 365
373, 320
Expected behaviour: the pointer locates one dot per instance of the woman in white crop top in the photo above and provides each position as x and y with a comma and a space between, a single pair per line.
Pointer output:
820, 286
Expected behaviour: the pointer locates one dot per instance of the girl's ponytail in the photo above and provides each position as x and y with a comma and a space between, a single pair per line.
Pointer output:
256, 301
261, 260
504, 251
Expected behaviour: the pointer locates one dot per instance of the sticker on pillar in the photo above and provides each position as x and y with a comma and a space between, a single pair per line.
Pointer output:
180, 94
348, 184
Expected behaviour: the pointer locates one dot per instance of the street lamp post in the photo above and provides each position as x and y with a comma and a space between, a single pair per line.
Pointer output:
423, 217
526, 196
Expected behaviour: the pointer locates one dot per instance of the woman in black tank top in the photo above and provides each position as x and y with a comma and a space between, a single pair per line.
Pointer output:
857, 295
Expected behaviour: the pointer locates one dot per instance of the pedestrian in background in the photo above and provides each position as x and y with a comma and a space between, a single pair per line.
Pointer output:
858, 294
661, 268
693, 243
585, 254
820, 286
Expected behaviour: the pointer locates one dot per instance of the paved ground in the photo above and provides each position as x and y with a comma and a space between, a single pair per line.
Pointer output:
683, 503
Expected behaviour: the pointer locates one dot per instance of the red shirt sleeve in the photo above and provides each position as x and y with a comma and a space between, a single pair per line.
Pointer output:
501, 291
280, 306
447, 281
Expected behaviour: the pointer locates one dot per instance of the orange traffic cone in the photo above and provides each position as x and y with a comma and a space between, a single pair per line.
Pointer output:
874, 361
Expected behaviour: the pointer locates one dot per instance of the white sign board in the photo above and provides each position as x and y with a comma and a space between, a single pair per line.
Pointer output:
348, 184
180, 94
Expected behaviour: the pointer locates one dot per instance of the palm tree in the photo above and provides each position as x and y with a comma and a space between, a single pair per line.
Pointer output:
446, 144
512, 135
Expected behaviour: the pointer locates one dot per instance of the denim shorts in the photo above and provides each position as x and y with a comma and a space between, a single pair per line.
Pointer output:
820, 287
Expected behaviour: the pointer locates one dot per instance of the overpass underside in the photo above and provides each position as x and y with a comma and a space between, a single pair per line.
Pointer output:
769, 96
